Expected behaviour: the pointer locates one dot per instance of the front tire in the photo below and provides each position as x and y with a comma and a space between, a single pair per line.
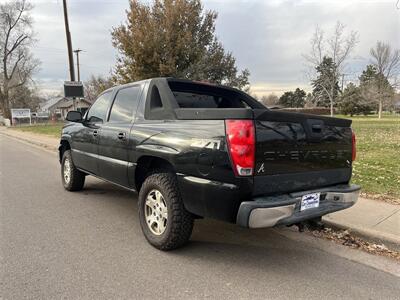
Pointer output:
165, 222
72, 178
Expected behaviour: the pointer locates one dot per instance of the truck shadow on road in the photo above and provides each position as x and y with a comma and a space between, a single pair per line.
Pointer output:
213, 241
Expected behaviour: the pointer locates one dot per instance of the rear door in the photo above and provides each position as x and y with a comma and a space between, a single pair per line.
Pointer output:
114, 142
85, 140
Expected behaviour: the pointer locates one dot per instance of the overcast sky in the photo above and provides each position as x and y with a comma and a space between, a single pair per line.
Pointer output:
267, 37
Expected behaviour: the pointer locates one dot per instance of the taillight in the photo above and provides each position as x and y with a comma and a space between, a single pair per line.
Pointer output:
353, 146
241, 145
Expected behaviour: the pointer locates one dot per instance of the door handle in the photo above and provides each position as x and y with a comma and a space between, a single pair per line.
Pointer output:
95, 132
316, 128
122, 135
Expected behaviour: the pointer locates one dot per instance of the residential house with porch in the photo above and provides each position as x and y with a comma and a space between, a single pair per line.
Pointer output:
62, 106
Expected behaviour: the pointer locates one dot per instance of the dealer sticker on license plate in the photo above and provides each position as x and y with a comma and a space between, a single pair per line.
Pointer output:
309, 201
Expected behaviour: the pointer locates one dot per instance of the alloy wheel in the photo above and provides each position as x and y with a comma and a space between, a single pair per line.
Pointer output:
156, 212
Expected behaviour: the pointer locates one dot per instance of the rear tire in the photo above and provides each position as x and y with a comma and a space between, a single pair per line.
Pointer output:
72, 178
165, 222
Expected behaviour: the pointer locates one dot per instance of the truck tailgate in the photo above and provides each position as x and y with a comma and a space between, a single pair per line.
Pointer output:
298, 152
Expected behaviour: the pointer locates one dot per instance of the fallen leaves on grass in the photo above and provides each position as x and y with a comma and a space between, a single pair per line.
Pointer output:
345, 238
381, 197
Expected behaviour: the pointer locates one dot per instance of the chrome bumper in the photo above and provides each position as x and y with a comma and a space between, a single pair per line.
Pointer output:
285, 209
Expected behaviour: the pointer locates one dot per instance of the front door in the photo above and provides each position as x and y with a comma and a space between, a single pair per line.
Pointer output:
84, 147
86, 140
114, 141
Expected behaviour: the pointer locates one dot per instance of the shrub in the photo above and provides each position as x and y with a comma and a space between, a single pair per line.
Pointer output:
311, 111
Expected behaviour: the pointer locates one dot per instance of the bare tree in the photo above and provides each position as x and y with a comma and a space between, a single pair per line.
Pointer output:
310, 101
269, 100
337, 47
376, 93
387, 63
16, 61
95, 85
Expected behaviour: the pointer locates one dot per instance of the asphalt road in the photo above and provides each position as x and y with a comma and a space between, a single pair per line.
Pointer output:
88, 245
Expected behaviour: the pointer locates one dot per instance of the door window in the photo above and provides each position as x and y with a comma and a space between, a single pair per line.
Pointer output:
125, 104
98, 111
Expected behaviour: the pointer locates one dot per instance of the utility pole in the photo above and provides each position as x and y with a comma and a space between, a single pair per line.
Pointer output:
69, 45
77, 62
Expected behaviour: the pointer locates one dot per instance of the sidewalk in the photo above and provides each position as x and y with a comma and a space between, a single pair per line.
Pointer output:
373, 219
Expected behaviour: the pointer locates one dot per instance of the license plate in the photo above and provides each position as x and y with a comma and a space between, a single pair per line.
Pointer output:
309, 201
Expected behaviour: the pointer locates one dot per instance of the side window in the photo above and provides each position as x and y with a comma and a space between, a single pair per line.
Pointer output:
125, 104
98, 111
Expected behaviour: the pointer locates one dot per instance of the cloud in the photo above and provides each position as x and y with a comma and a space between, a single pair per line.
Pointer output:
267, 37
270, 37
90, 25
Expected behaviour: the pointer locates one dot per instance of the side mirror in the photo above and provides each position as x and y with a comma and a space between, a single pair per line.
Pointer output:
95, 120
74, 116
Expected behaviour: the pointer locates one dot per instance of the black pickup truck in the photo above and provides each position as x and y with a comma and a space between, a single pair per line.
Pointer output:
194, 150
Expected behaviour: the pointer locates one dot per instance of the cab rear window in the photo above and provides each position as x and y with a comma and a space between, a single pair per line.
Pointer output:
192, 95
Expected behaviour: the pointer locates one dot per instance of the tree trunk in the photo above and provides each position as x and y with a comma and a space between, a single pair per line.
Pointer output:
6, 105
1, 102
331, 98
5, 101
7, 112
380, 109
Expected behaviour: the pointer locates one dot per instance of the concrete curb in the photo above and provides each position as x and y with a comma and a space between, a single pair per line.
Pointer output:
390, 240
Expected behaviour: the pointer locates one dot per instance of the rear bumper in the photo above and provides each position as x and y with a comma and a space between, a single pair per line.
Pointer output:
285, 209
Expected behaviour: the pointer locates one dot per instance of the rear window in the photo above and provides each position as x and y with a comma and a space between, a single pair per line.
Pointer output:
125, 104
192, 95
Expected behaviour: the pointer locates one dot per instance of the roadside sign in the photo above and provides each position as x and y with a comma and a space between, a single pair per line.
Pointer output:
73, 89
21, 113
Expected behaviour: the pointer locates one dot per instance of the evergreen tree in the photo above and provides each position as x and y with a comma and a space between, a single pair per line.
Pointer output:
173, 38
352, 102
369, 75
326, 85
293, 99
375, 89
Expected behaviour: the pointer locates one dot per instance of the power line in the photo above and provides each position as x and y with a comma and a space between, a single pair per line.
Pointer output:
77, 2
56, 50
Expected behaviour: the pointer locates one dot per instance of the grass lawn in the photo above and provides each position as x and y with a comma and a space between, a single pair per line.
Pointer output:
53, 130
377, 167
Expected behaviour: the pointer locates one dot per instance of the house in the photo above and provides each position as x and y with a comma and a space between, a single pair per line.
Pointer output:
60, 107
